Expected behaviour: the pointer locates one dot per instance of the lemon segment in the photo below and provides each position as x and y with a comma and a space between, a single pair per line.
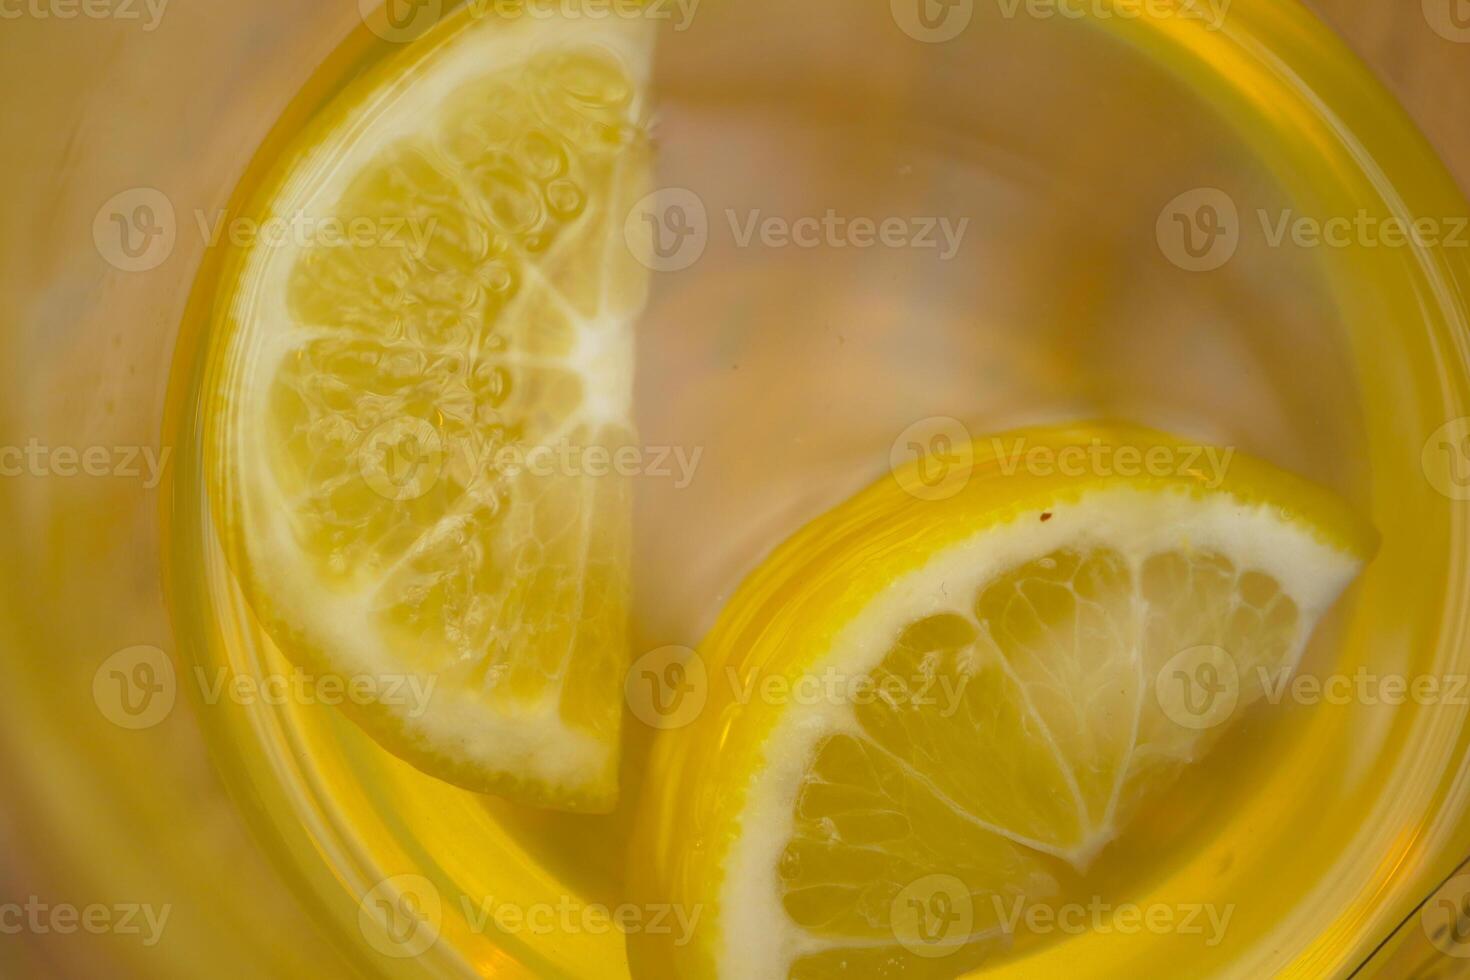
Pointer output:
1019, 666
408, 445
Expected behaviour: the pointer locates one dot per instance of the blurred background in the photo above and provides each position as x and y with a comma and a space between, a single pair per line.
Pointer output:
108, 814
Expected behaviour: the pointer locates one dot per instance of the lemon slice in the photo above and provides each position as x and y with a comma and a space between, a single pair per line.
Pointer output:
429, 369
921, 710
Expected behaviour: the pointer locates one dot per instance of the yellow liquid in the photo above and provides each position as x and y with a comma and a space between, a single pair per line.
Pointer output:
793, 371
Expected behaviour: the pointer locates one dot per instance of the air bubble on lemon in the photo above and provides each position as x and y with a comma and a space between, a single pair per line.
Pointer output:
1041, 654
399, 431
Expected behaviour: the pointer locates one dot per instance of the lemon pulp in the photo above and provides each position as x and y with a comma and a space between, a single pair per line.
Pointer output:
1017, 668
421, 405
